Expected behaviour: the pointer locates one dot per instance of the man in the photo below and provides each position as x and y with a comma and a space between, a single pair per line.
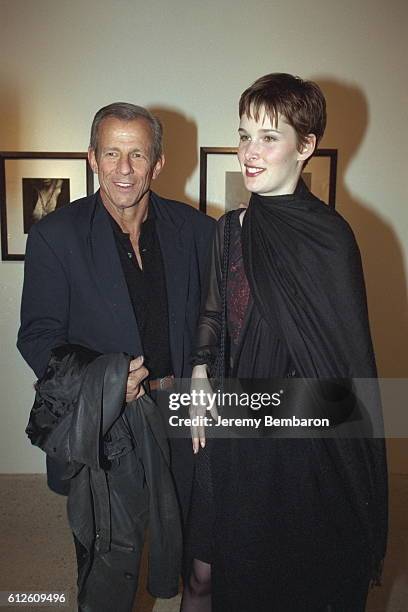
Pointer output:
119, 271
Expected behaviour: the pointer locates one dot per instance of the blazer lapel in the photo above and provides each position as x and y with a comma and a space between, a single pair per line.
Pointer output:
174, 240
108, 274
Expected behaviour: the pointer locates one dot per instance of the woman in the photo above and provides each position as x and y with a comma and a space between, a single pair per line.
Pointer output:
285, 524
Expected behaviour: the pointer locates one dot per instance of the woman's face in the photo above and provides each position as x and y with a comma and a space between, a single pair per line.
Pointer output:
270, 161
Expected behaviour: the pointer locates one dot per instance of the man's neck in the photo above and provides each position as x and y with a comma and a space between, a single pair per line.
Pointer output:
129, 219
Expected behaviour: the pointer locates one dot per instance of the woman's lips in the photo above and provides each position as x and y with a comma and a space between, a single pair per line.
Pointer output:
252, 171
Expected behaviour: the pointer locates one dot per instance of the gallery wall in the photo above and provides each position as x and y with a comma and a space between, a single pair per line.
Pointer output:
189, 61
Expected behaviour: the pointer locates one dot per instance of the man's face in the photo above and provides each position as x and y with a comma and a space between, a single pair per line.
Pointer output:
123, 162
268, 155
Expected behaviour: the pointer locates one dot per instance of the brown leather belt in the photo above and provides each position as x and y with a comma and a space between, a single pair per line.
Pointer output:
167, 382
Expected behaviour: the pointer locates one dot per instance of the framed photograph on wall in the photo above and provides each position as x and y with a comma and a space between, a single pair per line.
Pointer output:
222, 186
31, 186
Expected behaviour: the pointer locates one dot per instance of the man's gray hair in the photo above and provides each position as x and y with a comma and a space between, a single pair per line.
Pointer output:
128, 112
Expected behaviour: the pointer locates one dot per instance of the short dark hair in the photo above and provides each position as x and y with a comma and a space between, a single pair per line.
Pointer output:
302, 103
129, 112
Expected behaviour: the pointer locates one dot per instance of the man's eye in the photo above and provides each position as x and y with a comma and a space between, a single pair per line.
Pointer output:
136, 155
111, 153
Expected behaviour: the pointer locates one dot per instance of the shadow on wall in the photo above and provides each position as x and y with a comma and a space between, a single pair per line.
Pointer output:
180, 149
380, 247
383, 261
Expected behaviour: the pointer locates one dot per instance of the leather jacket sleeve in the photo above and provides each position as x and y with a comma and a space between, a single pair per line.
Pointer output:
61, 422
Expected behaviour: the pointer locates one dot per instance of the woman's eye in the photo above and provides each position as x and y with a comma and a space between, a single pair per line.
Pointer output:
243, 137
270, 139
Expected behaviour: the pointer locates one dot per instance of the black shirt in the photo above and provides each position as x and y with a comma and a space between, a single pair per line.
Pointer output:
148, 294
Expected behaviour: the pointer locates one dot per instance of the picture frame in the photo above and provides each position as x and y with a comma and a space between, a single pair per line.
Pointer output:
33, 184
222, 186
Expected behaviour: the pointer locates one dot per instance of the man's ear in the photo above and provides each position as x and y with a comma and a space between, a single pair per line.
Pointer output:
92, 160
307, 148
158, 167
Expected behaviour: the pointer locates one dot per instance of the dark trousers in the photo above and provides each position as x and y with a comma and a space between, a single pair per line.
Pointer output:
108, 581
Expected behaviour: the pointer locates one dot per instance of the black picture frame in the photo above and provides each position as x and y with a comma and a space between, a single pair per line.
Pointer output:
32, 184
320, 175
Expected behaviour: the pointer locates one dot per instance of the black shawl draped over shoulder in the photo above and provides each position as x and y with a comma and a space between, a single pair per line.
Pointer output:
304, 254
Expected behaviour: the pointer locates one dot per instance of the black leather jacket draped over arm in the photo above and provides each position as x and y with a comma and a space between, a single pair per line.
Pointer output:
79, 400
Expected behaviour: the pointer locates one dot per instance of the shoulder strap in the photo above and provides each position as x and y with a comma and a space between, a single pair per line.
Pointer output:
220, 363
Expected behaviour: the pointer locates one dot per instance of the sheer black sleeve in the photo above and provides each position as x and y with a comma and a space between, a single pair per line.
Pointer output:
209, 326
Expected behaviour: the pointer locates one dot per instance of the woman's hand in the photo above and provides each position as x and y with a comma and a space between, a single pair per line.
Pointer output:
200, 392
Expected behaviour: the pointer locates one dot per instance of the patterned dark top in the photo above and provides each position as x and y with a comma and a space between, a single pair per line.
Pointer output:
238, 292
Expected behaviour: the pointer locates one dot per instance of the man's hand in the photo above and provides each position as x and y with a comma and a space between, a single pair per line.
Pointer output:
137, 373
200, 382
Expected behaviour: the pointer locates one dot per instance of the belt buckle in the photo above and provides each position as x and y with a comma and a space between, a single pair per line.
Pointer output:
162, 382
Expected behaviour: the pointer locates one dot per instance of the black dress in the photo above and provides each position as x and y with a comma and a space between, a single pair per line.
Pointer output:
275, 517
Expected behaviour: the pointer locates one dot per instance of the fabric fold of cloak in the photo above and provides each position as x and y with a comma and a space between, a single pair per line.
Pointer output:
304, 253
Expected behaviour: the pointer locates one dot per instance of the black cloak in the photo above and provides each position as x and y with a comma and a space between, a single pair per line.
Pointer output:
304, 253
308, 311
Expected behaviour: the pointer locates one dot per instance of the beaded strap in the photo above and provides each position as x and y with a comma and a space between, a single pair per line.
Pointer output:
220, 361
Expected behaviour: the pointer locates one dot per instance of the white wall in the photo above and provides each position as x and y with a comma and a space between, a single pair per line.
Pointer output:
61, 61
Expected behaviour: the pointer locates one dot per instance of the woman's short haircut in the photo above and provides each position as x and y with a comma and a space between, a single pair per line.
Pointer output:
129, 112
302, 103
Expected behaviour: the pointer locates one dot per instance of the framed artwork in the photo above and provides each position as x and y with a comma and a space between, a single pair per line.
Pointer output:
31, 186
222, 186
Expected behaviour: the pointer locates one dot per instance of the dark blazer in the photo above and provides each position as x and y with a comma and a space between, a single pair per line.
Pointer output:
75, 291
